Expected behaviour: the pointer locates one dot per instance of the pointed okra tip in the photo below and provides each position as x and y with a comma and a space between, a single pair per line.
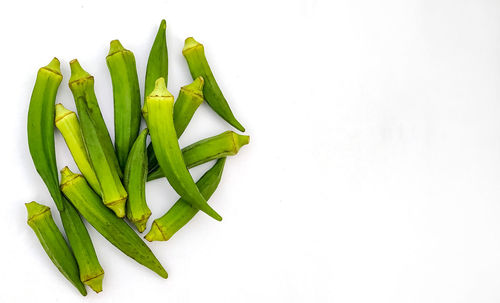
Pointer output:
163, 25
62, 112
190, 43
35, 209
115, 46
160, 89
54, 66
77, 72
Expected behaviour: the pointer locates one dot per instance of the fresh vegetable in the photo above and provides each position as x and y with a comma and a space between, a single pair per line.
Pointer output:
158, 60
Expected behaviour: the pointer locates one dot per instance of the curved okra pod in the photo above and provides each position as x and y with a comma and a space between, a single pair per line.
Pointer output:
198, 66
225, 144
41, 127
68, 125
181, 212
115, 230
189, 99
41, 221
158, 60
127, 99
91, 272
136, 172
160, 105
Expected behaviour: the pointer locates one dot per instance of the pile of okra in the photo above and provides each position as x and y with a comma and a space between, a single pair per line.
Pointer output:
111, 184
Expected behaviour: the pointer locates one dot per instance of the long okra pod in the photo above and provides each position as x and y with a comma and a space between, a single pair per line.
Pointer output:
181, 212
91, 272
136, 172
41, 127
68, 125
41, 221
115, 230
189, 99
225, 144
127, 99
160, 105
157, 61
198, 66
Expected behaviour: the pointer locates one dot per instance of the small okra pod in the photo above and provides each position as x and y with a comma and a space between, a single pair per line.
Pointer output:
182, 212
68, 125
91, 272
41, 127
41, 221
115, 230
189, 99
160, 105
136, 172
157, 61
225, 144
127, 99
198, 66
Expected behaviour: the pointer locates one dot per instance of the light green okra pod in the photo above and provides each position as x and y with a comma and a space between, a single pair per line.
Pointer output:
136, 172
189, 99
41, 127
160, 105
198, 66
91, 272
41, 221
182, 212
127, 99
158, 60
68, 125
225, 144
115, 230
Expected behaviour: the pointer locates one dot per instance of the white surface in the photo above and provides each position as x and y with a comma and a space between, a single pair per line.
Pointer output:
374, 166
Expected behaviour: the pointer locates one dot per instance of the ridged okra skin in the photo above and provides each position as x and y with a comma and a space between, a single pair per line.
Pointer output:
189, 99
41, 221
194, 53
182, 212
136, 172
223, 145
41, 127
115, 230
91, 272
67, 123
157, 66
126, 97
160, 105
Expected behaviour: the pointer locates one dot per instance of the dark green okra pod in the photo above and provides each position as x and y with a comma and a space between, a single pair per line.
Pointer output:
158, 60
198, 66
91, 272
189, 99
127, 99
41, 221
226, 144
160, 120
115, 230
181, 212
136, 172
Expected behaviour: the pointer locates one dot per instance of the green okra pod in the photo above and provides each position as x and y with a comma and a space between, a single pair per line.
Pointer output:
41, 127
136, 172
41, 221
189, 99
194, 53
158, 60
68, 125
225, 144
91, 272
181, 212
160, 105
115, 230
127, 99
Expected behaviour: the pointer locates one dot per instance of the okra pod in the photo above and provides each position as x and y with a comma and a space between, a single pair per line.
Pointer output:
136, 172
91, 272
115, 230
181, 212
41, 127
160, 105
41, 221
189, 99
126, 97
157, 61
225, 144
194, 53
68, 125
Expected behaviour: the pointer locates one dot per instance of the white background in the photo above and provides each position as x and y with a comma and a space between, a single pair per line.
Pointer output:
373, 170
